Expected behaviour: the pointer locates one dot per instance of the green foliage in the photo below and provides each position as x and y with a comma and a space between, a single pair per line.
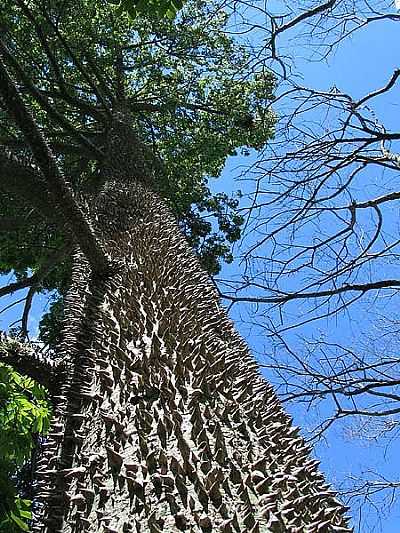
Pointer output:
24, 414
15, 256
198, 228
14, 517
193, 97
151, 8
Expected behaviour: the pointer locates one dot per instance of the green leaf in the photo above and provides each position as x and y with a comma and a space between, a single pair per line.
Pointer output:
154, 9
20, 523
24, 411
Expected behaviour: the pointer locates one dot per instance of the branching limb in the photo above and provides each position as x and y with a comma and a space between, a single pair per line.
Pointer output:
85, 74
27, 360
20, 178
18, 285
64, 92
27, 307
381, 91
283, 298
42, 101
322, 8
58, 187
34, 280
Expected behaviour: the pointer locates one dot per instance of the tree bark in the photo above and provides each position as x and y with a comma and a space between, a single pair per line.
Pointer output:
163, 422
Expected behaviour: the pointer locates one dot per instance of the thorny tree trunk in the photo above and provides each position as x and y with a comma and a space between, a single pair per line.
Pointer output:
163, 422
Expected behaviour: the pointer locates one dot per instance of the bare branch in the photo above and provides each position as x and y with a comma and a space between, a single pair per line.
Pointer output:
322, 8
27, 307
364, 287
18, 285
378, 92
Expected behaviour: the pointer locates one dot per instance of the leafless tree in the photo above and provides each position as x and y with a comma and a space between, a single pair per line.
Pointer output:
322, 244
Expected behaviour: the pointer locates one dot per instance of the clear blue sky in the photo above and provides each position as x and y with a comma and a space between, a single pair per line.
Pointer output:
362, 64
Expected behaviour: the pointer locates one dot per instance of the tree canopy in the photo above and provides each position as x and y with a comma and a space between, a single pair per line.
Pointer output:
191, 96
152, 8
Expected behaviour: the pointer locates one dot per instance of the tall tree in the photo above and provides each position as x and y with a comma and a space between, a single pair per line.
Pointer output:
162, 421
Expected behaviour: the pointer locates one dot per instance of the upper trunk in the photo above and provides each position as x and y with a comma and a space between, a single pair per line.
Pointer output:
164, 423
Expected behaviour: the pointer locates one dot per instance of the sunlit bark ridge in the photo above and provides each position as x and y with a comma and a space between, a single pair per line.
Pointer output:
163, 422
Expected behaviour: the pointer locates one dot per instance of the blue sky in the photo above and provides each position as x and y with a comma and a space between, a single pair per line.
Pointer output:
361, 64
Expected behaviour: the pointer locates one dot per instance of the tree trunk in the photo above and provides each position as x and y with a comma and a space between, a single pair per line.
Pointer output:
163, 422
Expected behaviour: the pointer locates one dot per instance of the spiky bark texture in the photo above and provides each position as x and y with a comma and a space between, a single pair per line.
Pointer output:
163, 422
